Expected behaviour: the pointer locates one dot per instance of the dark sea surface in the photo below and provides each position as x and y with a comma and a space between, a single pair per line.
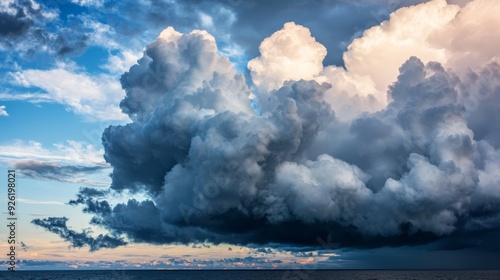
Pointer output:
259, 274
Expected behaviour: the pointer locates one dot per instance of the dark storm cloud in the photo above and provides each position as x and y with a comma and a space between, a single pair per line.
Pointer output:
87, 196
86, 193
78, 239
16, 22
28, 26
56, 171
482, 97
294, 175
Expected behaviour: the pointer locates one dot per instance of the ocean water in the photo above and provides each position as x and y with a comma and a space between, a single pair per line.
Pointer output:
259, 274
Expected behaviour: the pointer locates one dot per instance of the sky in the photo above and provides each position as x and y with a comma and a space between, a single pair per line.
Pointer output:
325, 134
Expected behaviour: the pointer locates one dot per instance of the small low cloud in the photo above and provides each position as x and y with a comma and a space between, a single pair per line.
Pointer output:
24, 247
78, 239
3, 112
75, 152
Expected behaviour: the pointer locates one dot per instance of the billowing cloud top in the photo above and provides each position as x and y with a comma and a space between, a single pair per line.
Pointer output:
394, 149
282, 52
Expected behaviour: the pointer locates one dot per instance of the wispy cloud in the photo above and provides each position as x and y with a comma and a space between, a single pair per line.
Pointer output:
88, 3
76, 174
36, 97
93, 97
72, 162
70, 152
29, 201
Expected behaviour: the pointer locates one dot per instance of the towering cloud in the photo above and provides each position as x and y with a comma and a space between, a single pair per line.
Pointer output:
283, 51
391, 43
421, 168
432, 31
280, 55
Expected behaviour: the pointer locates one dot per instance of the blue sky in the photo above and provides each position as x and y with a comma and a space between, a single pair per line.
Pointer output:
361, 124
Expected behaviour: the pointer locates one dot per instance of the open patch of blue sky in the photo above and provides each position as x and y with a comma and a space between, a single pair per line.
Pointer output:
47, 123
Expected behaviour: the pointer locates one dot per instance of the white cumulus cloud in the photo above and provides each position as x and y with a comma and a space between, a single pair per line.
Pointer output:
451, 34
93, 97
289, 54
3, 112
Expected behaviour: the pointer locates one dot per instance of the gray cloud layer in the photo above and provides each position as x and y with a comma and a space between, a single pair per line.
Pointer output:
28, 27
59, 172
425, 168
